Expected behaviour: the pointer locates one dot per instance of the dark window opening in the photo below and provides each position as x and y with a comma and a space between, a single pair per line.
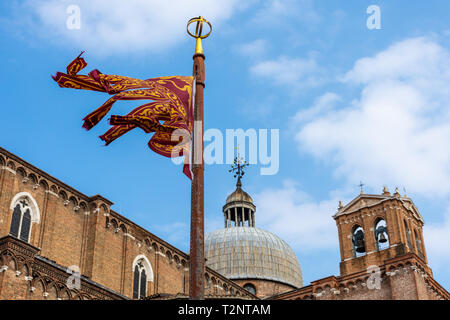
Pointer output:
250, 287
139, 281
418, 244
408, 235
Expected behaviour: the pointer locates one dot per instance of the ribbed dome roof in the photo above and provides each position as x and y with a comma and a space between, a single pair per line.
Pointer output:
249, 252
239, 195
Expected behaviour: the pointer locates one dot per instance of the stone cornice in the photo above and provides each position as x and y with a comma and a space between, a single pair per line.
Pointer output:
44, 175
413, 209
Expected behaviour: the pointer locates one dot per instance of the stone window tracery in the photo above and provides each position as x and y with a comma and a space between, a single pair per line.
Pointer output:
142, 274
140, 281
24, 213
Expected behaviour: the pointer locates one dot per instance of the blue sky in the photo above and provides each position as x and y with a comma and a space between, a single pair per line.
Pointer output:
352, 105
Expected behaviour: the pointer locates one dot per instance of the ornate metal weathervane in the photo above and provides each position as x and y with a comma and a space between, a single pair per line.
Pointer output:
197, 243
238, 168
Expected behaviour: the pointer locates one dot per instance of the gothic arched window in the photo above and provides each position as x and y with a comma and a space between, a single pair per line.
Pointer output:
381, 235
142, 274
21, 220
140, 281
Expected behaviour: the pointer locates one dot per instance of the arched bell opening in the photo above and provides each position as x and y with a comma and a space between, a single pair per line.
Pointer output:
418, 244
381, 235
408, 235
358, 240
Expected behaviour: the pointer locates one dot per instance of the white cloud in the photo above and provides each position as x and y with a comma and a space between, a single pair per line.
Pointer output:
304, 223
437, 239
293, 72
398, 131
276, 12
322, 105
252, 49
411, 60
117, 26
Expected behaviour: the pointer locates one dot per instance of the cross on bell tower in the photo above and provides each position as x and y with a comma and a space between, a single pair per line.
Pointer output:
361, 185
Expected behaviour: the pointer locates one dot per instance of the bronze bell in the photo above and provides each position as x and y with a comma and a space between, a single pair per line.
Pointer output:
382, 238
380, 234
360, 248
358, 241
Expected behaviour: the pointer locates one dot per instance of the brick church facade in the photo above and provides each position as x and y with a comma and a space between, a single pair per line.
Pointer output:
57, 243
60, 231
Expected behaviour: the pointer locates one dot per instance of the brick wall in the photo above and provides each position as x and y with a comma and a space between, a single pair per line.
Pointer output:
75, 229
405, 277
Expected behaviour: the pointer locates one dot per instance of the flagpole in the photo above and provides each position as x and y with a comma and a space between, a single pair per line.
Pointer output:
197, 243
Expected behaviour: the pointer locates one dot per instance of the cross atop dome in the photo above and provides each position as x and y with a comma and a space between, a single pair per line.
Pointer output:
257, 259
239, 208
238, 169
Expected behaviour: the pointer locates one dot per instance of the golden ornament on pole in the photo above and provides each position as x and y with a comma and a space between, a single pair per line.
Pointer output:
198, 32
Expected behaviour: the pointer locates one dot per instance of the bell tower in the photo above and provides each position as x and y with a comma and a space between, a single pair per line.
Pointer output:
375, 228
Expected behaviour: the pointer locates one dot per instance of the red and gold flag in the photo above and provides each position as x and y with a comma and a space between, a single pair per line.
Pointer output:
169, 116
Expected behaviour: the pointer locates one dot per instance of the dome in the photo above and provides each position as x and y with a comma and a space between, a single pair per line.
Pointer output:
252, 253
239, 195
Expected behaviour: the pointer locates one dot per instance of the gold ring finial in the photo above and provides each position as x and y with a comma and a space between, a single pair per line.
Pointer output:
198, 32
